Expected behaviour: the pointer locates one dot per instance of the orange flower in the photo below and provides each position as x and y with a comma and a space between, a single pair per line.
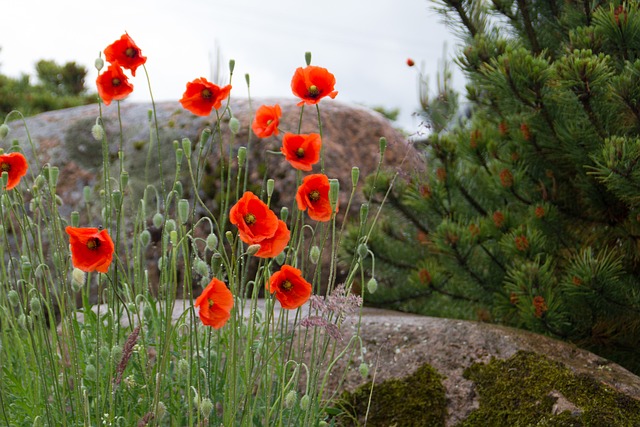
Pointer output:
266, 121
271, 247
15, 165
301, 150
125, 53
113, 85
522, 244
91, 249
255, 221
540, 306
215, 304
410, 62
498, 218
312, 83
290, 287
202, 96
313, 195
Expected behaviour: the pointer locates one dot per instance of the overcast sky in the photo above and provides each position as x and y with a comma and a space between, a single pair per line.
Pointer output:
364, 43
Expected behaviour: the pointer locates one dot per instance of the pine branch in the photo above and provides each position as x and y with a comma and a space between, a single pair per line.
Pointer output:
528, 27
471, 200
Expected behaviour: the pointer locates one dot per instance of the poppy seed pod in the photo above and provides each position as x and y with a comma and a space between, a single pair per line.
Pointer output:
232, 65
247, 79
364, 212
270, 187
242, 155
186, 146
334, 189
383, 145
307, 58
75, 219
183, 210
355, 175
204, 136
284, 213
124, 179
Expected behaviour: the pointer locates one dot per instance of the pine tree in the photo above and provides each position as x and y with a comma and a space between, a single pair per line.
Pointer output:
529, 212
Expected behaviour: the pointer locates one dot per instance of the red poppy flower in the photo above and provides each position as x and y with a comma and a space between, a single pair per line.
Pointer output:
301, 150
410, 62
290, 287
113, 85
313, 195
266, 121
202, 96
15, 165
312, 83
125, 53
91, 249
255, 221
215, 304
273, 246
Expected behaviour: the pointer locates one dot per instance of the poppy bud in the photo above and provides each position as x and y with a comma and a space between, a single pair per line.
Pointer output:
77, 279
124, 179
202, 268
334, 189
36, 306
355, 175
314, 254
234, 125
270, 186
22, 321
75, 219
290, 399
177, 187
284, 213
364, 370
232, 65
206, 406
183, 210
90, 371
242, 155
280, 258
410, 62
304, 402
364, 212
204, 136
372, 285
183, 368
157, 220
99, 63
362, 250
14, 298
307, 58
186, 146
97, 132
170, 225
212, 242
229, 236
4, 131
253, 249
116, 196
383, 145
145, 238
147, 311
26, 268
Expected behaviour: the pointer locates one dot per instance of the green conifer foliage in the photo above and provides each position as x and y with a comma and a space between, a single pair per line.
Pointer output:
529, 211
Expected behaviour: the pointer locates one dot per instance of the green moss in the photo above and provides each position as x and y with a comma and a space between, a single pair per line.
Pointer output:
416, 400
522, 390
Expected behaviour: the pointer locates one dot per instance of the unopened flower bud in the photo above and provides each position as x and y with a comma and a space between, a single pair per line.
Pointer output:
186, 147
147, 311
183, 368
4, 131
372, 285
202, 268
242, 155
145, 238
116, 353
157, 220
22, 321
253, 249
280, 258
270, 186
183, 210
212, 242
234, 125
26, 268
170, 225
77, 279
290, 399
355, 175
90, 371
97, 132
364, 370
284, 213
99, 63
204, 136
383, 145
362, 250
206, 406
334, 189
229, 236
307, 58
304, 402
314, 254
14, 298
116, 196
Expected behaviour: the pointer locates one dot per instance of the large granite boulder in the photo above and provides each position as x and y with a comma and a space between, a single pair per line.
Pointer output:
63, 138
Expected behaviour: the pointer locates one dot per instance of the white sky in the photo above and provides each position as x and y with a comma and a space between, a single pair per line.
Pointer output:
364, 43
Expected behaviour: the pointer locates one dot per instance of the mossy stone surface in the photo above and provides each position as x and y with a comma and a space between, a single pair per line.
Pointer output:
526, 389
416, 400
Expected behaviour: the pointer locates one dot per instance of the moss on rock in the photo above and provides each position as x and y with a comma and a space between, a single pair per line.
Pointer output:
416, 400
530, 389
